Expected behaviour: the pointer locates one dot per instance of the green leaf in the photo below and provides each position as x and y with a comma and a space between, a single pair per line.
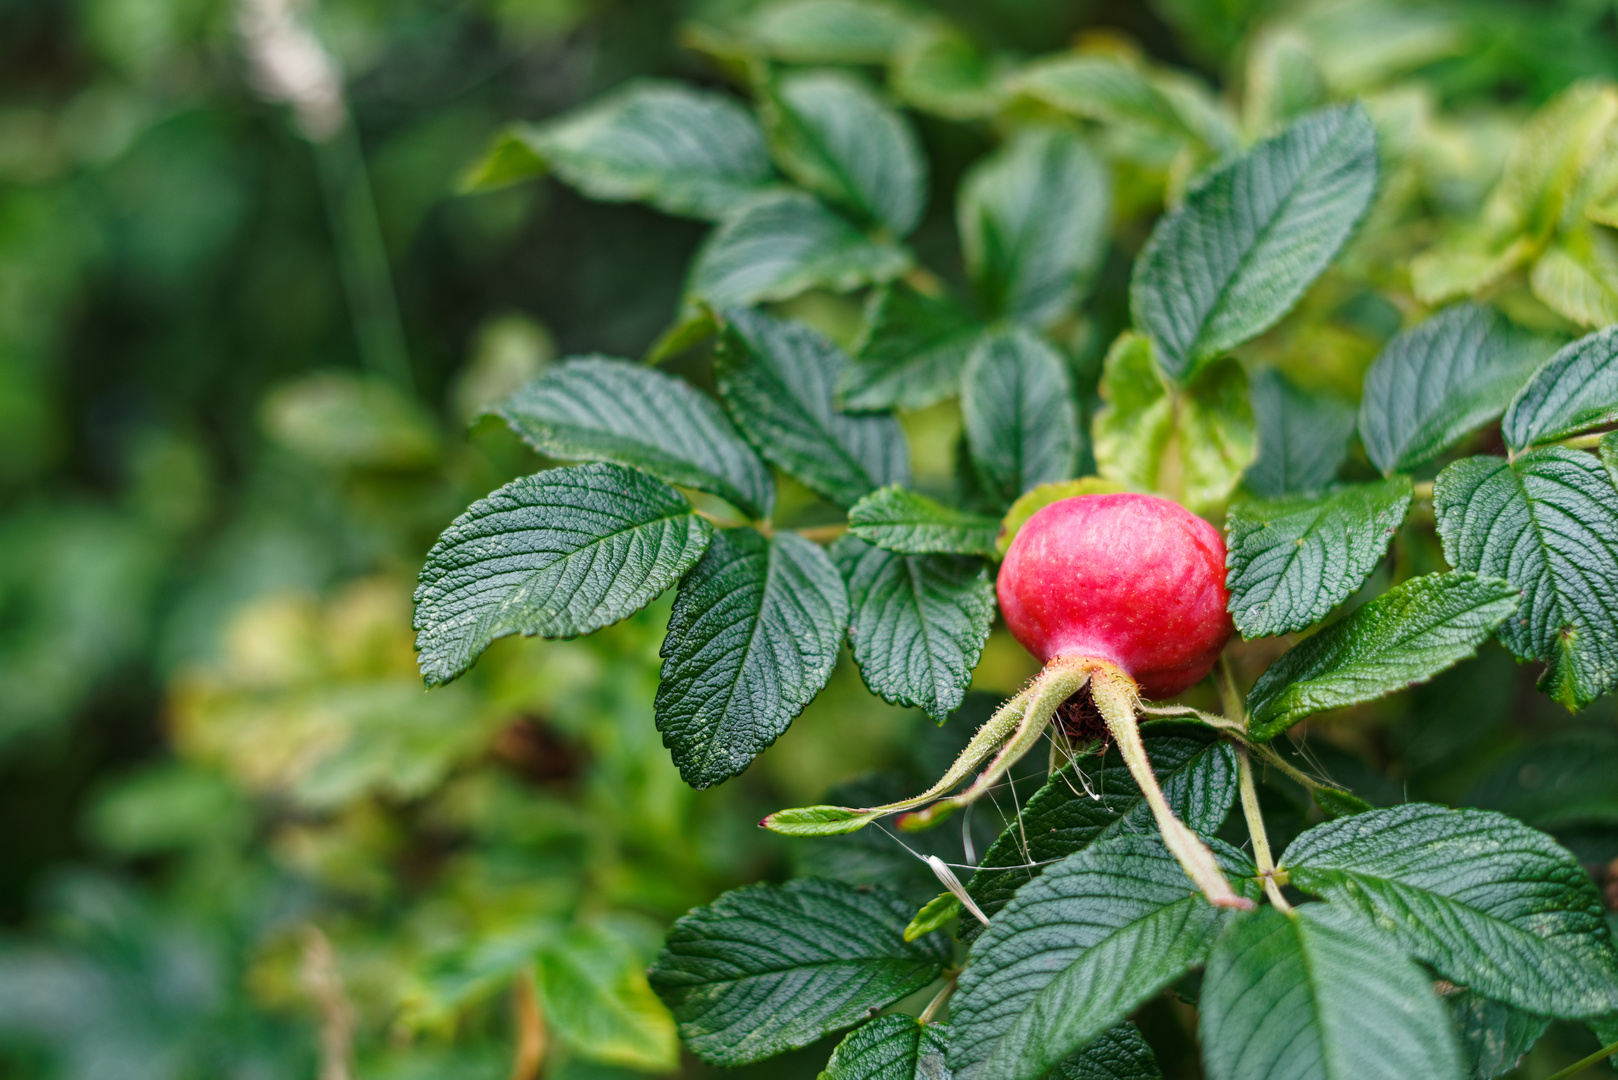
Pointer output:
1441, 380
632, 415
1111, 89
1075, 953
935, 914
939, 70
557, 554
890, 1048
911, 351
830, 31
685, 151
1561, 783
596, 998
770, 968
1577, 276
1302, 437
1405, 636
1036, 499
1292, 560
1608, 451
833, 135
1034, 222
1195, 769
913, 524
752, 638
1493, 1037
775, 247
777, 379
1119, 1054
918, 622
1190, 443
1547, 523
1489, 903
508, 159
1021, 419
1312, 996
1226, 264
1576, 390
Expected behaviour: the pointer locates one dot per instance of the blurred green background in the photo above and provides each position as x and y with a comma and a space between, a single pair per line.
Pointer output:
236, 405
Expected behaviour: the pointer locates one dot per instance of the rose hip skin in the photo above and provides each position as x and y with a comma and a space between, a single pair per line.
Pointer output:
1132, 579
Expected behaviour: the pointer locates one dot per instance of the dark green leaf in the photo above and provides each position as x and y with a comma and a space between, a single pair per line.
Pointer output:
1405, 636
911, 351
917, 623
1562, 783
1292, 560
557, 554
752, 638
1075, 952
1226, 264
1020, 415
1576, 390
777, 379
633, 415
1302, 437
1440, 380
890, 1048
1034, 220
901, 520
1493, 1036
685, 151
833, 135
1312, 996
830, 31
1548, 523
775, 247
1195, 769
1120, 1054
1489, 903
770, 968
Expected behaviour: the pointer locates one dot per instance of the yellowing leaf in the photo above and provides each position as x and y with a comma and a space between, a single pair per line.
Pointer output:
1577, 277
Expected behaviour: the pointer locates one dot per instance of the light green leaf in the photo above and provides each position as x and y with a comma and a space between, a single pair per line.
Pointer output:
596, 998
1493, 1037
1292, 560
1302, 437
1283, 80
777, 378
1576, 389
1190, 443
1195, 769
911, 351
775, 247
1441, 380
1489, 903
1405, 636
935, 914
1036, 499
1608, 450
1021, 419
830, 132
508, 159
1113, 90
918, 622
1078, 950
685, 151
613, 410
1577, 276
1311, 996
557, 554
1120, 1054
1548, 524
1034, 223
770, 968
903, 521
1226, 264
939, 70
830, 31
890, 1048
752, 638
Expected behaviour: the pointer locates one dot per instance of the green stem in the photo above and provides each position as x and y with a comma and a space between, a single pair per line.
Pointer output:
1115, 696
1584, 1063
930, 1013
1255, 829
1583, 442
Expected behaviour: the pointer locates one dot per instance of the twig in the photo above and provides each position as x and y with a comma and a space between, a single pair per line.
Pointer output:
1584, 1063
1255, 829
324, 982
931, 1011
532, 1037
822, 534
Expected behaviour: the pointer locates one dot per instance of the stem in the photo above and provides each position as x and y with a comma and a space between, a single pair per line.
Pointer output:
531, 1034
1584, 1063
1423, 490
1229, 699
1255, 829
822, 534
1115, 695
931, 1011
1583, 442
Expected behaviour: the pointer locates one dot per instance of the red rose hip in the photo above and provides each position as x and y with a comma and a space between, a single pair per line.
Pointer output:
1132, 579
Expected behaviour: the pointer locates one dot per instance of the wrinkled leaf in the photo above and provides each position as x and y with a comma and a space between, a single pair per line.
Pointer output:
1119, 1054
911, 352
1021, 419
1302, 437
1576, 389
890, 1048
904, 521
1493, 1037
